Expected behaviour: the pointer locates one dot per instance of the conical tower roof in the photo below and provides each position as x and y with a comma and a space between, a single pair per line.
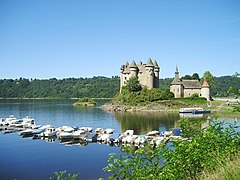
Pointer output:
133, 64
155, 63
205, 84
149, 63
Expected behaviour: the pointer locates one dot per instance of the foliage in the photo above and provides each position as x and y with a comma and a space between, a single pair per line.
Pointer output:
145, 96
236, 108
203, 151
222, 85
207, 76
96, 87
230, 170
61, 175
85, 101
133, 85
193, 99
195, 76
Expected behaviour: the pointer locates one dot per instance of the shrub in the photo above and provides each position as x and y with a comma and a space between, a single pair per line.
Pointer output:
182, 159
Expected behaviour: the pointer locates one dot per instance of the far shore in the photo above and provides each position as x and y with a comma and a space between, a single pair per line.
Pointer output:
51, 98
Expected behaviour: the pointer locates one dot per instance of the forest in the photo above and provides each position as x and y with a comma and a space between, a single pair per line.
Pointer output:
95, 87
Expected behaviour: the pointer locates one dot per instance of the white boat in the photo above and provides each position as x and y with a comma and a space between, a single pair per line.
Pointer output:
157, 140
79, 134
129, 139
8, 120
30, 132
50, 132
123, 135
190, 110
103, 137
26, 122
99, 130
66, 133
44, 127
153, 133
166, 133
108, 131
141, 139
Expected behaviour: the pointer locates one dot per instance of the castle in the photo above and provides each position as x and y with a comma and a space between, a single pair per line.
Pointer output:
186, 88
147, 74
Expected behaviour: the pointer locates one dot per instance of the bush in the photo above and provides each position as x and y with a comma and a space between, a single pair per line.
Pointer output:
203, 151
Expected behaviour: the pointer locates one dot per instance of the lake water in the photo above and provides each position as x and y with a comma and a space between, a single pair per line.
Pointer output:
25, 158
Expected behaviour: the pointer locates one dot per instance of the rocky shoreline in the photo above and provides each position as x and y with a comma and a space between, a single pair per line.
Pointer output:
126, 108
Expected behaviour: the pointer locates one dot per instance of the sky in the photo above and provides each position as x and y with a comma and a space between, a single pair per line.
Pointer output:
84, 38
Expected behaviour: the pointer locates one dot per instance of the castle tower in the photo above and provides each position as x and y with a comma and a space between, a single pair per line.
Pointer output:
124, 73
176, 85
133, 69
156, 74
149, 74
205, 91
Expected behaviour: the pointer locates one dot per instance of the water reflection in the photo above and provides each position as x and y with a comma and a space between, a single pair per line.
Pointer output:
143, 122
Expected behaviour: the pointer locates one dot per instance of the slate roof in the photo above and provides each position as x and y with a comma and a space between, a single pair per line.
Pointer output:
191, 84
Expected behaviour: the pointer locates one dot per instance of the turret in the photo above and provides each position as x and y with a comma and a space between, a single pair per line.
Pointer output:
124, 73
156, 74
176, 85
133, 69
205, 91
149, 74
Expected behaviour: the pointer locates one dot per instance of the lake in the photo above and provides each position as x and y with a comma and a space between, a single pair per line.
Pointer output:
25, 158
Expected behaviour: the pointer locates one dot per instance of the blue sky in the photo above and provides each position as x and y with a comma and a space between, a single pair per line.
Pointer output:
73, 38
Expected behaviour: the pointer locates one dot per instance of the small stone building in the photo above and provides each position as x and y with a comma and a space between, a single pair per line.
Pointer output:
186, 88
147, 74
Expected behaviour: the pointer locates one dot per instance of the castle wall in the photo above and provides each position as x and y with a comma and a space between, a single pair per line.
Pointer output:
190, 92
147, 75
205, 91
177, 90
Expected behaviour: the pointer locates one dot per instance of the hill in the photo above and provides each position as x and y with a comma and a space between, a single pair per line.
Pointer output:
95, 87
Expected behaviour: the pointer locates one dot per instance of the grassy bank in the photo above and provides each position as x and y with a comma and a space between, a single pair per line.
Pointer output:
230, 170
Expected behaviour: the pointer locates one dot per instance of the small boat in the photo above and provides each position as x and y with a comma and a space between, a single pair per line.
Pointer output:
153, 133
108, 131
194, 110
201, 112
50, 132
31, 132
166, 133
189, 110
157, 140
79, 134
99, 130
141, 139
66, 133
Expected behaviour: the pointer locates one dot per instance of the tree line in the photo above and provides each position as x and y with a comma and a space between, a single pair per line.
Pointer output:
97, 87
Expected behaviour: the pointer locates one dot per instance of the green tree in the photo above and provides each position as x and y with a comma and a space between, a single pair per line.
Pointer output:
187, 77
207, 76
133, 85
196, 76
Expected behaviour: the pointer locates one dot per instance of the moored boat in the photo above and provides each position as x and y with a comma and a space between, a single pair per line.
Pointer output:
194, 110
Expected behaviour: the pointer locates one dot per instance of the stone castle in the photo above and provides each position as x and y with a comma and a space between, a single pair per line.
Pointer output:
147, 74
186, 88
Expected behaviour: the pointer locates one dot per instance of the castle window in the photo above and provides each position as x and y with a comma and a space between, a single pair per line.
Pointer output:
177, 90
125, 78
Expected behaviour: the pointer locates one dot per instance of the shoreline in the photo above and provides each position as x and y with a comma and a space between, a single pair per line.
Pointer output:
52, 98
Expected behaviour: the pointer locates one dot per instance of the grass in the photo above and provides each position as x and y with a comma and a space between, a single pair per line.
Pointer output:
230, 170
220, 108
